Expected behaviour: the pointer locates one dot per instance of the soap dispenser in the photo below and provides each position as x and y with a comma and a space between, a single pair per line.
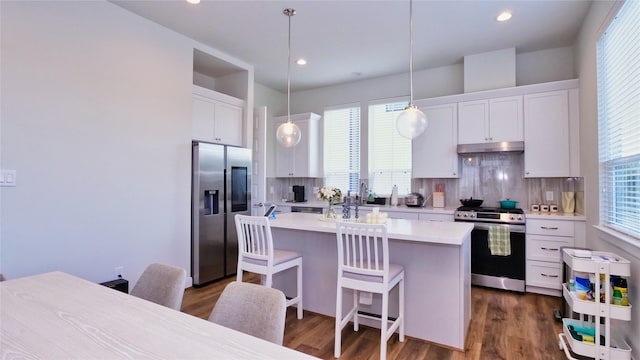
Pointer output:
394, 196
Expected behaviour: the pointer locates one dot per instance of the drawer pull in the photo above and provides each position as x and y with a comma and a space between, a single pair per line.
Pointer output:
549, 276
549, 249
549, 227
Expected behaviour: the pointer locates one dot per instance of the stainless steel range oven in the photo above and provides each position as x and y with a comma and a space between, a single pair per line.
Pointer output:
505, 271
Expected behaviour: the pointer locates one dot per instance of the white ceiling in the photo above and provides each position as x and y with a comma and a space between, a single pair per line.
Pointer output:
356, 39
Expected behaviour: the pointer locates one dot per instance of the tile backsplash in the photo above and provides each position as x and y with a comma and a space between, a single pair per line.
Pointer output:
282, 187
488, 176
493, 177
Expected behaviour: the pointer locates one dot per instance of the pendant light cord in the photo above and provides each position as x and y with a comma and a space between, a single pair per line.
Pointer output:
289, 13
410, 52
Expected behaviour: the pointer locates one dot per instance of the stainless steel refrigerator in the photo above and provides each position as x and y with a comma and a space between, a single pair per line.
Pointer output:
221, 183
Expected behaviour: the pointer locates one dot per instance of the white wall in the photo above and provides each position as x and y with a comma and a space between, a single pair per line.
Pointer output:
96, 120
545, 66
585, 55
276, 103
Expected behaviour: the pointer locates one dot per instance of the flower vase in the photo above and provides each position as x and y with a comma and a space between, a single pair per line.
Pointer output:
330, 213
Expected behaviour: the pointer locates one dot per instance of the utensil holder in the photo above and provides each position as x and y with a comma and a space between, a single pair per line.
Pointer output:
568, 202
438, 199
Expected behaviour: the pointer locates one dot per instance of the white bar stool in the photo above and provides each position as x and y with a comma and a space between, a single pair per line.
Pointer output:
363, 265
257, 255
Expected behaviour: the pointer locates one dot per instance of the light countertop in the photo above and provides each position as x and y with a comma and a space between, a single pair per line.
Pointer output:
437, 232
554, 216
383, 208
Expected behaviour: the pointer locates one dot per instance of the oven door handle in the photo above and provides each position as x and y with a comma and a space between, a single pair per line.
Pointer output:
512, 228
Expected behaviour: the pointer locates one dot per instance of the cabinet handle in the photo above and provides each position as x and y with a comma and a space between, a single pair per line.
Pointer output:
549, 227
527, 173
454, 174
549, 276
550, 249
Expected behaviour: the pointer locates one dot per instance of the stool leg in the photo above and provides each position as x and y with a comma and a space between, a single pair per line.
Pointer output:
401, 309
300, 308
384, 325
356, 323
338, 333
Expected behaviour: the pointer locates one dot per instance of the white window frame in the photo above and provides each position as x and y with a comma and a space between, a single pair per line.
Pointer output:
618, 127
350, 170
399, 176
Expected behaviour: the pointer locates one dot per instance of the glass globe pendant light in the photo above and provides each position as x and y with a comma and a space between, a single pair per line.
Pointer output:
412, 121
288, 133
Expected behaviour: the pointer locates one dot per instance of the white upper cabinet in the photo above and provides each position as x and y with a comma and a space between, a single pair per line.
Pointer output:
490, 120
216, 117
434, 152
302, 160
551, 139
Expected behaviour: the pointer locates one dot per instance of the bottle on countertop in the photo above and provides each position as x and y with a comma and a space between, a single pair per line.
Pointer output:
620, 287
394, 196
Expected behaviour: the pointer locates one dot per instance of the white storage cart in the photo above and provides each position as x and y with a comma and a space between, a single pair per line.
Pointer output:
595, 262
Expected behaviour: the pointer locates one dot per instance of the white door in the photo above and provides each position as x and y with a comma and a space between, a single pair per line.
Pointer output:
259, 178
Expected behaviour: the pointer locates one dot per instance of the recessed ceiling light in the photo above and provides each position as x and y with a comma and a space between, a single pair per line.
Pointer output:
193, 1
301, 61
504, 16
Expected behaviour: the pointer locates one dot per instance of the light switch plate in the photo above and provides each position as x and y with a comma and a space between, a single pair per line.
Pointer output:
8, 177
549, 195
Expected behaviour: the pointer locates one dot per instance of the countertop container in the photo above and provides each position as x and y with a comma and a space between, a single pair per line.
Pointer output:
508, 204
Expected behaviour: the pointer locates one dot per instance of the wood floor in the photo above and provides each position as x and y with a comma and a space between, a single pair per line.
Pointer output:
504, 325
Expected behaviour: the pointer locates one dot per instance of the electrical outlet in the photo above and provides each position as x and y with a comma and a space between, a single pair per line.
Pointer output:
549, 195
118, 272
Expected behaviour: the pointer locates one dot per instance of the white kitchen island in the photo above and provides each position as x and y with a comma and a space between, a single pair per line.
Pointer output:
435, 256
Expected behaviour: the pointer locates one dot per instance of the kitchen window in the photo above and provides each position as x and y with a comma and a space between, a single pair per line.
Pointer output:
342, 147
389, 153
618, 66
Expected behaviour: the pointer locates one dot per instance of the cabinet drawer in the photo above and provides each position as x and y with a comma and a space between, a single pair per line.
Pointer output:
550, 227
546, 248
544, 274
402, 215
435, 217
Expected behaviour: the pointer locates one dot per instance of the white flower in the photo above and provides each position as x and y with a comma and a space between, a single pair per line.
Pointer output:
330, 193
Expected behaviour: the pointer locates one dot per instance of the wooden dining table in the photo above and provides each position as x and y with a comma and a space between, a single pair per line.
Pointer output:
60, 316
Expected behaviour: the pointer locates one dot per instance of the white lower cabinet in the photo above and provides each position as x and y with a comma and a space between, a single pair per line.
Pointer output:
282, 209
544, 241
435, 217
403, 215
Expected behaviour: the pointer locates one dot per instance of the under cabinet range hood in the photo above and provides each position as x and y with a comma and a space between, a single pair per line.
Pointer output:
515, 146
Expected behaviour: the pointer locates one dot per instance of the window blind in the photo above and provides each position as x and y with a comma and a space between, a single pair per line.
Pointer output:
618, 66
389, 153
342, 147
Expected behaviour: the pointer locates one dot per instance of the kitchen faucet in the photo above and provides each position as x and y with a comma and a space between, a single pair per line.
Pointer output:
363, 192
